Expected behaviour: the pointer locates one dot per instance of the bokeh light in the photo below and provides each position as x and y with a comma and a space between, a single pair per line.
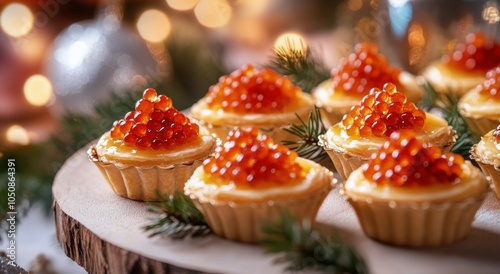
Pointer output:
355, 5
490, 12
182, 4
17, 135
213, 13
38, 90
153, 26
291, 41
17, 20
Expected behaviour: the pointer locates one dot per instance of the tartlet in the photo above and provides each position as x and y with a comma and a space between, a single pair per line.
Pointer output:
466, 66
481, 105
251, 179
153, 149
410, 194
487, 154
367, 125
252, 97
364, 69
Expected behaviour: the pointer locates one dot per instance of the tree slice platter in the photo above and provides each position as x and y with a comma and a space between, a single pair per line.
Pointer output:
103, 233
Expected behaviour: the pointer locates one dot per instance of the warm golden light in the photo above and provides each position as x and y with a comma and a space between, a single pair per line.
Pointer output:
182, 4
17, 20
491, 13
153, 26
355, 4
416, 43
18, 135
252, 7
291, 41
38, 90
213, 13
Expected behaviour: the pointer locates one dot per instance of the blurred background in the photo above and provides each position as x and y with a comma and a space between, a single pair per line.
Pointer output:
69, 68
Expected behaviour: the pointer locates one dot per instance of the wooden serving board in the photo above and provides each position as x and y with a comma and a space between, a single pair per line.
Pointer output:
103, 233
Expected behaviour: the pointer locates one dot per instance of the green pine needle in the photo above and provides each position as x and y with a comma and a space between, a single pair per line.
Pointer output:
178, 217
447, 105
307, 146
304, 248
306, 70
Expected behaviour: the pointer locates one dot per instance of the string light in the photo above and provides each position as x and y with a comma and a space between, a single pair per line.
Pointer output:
182, 4
17, 20
213, 13
38, 90
291, 41
18, 135
153, 26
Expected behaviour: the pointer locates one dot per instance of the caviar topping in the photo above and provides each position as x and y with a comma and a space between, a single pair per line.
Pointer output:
382, 112
250, 158
407, 162
154, 124
252, 90
491, 86
363, 70
478, 54
496, 134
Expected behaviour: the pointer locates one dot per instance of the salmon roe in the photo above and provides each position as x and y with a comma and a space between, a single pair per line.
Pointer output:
249, 89
478, 54
491, 86
362, 70
382, 112
496, 134
407, 162
248, 158
154, 124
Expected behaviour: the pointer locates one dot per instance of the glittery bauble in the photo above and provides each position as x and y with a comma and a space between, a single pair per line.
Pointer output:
92, 59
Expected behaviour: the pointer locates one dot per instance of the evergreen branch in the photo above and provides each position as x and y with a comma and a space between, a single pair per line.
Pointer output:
304, 248
306, 70
178, 217
447, 105
430, 95
307, 146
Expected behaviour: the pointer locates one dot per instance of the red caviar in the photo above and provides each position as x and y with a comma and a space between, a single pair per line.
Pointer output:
406, 161
362, 70
249, 157
496, 134
491, 86
479, 53
252, 90
382, 112
154, 124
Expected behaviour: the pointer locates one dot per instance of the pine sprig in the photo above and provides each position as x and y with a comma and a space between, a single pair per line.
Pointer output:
307, 146
430, 95
302, 66
447, 105
178, 217
304, 248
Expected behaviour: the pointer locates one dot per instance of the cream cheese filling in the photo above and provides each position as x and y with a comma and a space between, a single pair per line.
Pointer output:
471, 184
201, 111
341, 103
444, 78
317, 179
473, 105
435, 131
487, 150
109, 150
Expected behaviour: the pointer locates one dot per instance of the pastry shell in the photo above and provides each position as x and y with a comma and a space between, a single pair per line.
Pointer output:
241, 220
143, 183
490, 170
415, 224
